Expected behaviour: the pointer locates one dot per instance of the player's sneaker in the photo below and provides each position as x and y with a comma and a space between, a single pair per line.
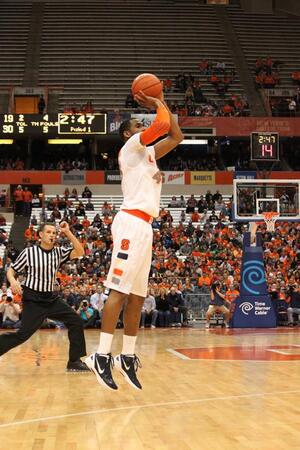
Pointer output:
102, 365
128, 366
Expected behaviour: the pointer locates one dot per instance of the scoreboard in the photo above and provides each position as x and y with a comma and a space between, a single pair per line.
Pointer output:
264, 146
37, 125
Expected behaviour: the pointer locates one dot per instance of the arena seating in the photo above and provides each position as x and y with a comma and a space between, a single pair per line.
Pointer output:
95, 52
7, 229
116, 200
263, 35
14, 30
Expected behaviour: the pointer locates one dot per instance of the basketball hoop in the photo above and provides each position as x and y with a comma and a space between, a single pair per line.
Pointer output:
270, 219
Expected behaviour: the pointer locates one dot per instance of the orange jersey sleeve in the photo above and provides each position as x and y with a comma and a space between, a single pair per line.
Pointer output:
159, 127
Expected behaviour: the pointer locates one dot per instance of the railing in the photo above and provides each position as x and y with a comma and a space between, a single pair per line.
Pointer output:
197, 304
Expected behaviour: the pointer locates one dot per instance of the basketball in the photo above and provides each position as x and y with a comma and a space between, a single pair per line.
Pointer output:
148, 83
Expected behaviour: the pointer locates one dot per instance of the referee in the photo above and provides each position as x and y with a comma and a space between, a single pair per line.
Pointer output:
40, 264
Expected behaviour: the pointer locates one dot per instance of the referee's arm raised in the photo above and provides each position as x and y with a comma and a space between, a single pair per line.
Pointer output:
78, 251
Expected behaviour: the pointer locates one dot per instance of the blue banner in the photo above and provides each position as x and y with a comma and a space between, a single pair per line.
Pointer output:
253, 309
114, 121
245, 175
254, 312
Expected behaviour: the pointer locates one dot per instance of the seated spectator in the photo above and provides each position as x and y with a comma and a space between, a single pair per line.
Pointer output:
33, 220
195, 217
162, 306
168, 85
55, 215
85, 223
30, 234
189, 95
294, 305
74, 193
89, 205
217, 305
213, 217
106, 209
2, 221
130, 102
191, 204
80, 211
149, 311
87, 193
176, 307
173, 203
3, 195
35, 202
182, 202
87, 314
98, 300
296, 77
11, 312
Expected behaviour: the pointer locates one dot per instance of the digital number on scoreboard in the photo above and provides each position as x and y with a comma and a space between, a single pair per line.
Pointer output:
264, 146
18, 125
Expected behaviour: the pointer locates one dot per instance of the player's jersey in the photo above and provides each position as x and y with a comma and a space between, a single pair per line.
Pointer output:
141, 178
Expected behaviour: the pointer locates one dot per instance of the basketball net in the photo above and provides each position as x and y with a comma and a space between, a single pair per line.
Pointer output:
270, 219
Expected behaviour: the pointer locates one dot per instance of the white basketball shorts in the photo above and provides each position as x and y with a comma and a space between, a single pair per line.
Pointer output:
132, 255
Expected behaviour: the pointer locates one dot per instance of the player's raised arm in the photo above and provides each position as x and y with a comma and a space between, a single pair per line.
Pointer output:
159, 127
161, 124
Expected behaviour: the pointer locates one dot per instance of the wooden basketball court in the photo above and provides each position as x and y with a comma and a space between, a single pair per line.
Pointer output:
208, 390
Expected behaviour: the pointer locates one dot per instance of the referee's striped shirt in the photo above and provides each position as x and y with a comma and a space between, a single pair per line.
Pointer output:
40, 266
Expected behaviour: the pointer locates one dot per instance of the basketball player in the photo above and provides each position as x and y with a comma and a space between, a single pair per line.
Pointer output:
132, 236
40, 264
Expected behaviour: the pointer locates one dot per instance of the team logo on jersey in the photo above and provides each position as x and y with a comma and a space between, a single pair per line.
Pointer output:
157, 177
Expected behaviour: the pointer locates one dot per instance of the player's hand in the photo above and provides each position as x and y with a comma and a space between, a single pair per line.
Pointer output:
64, 227
146, 101
16, 287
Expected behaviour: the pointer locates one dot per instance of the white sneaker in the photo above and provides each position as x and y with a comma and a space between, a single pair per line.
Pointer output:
128, 366
102, 366
207, 326
153, 326
227, 325
142, 327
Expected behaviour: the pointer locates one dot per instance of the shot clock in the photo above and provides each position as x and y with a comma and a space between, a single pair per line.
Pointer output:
264, 146
18, 125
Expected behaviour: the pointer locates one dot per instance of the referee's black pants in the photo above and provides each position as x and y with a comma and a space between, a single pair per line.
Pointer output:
33, 315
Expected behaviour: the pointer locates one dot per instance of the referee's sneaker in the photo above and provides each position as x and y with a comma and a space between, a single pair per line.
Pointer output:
39, 264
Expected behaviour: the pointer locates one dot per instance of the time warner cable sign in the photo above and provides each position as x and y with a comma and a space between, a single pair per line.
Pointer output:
253, 308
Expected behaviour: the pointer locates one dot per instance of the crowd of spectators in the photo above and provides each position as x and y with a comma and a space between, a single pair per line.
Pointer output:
86, 108
196, 104
204, 248
12, 164
267, 73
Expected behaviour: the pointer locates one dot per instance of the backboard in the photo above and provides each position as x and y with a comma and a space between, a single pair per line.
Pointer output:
251, 198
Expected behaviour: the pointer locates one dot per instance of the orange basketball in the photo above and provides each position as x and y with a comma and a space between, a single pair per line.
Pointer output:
148, 83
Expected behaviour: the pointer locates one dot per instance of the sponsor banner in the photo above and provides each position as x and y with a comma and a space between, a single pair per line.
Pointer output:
254, 312
223, 177
187, 177
112, 177
114, 121
147, 119
73, 177
244, 126
281, 92
94, 177
203, 177
173, 177
285, 175
245, 175
29, 91
30, 177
